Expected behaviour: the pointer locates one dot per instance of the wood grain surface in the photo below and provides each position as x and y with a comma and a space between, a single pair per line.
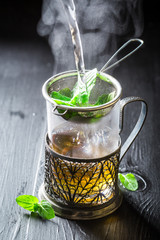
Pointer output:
24, 65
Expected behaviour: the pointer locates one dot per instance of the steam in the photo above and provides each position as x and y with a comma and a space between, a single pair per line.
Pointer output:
103, 24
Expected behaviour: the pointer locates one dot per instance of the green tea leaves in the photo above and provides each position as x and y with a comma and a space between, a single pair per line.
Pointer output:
27, 202
128, 181
45, 210
32, 204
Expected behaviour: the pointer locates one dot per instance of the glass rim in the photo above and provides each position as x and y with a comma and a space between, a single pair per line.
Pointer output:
61, 75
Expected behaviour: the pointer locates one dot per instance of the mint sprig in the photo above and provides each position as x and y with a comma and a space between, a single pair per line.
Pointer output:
128, 181
32, 204
80, 94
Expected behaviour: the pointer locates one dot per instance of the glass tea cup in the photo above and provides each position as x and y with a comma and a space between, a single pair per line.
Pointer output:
83, 149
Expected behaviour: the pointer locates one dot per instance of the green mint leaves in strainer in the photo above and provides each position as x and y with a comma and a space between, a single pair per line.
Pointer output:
80, 94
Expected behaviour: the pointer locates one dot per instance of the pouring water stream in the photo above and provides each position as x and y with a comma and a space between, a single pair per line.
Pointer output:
70, 10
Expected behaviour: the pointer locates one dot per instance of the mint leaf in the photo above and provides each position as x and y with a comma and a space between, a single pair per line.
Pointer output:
104, 98
104, 78
58, 95
128, 181
61, 102
27, 202
66, 92
32, 204
60, 99
45, 210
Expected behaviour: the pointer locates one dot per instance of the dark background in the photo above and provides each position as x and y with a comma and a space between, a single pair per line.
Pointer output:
19, 18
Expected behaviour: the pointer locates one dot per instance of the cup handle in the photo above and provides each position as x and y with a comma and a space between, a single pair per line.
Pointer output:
139, 124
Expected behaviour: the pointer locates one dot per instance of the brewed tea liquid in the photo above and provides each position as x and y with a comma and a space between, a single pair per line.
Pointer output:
90, 183
82, 144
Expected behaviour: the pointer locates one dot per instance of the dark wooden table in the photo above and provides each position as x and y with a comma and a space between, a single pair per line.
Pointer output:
25, 63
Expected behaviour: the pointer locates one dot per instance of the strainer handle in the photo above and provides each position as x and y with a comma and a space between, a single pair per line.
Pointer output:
107, 66
139, 124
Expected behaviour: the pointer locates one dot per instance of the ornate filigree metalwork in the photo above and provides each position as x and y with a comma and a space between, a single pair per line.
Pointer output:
87, 183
